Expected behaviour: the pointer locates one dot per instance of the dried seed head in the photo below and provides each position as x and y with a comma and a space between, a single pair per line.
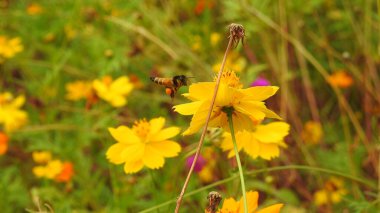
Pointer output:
237, 32
214, 199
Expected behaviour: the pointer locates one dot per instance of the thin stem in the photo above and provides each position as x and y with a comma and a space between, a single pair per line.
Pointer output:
200, 143
230, 122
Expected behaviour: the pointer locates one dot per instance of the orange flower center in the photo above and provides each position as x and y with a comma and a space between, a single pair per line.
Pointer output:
107, 80
231, 79
141, 128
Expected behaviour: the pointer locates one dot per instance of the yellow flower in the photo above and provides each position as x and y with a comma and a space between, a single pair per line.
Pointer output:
234, 62
114, 92
312, 132
70, 32
265, 141
247, 104
230, 205
340, 79
145, 144
9, 47
78, 90
332, 192
214, 39
34, 9
10, 114
41, 157
50, 170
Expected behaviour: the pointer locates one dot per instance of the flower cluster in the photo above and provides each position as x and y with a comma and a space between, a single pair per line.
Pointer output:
9, 47
147, 143
52, 168
11, 116
230, 205
247, 109
332, 192
112, 91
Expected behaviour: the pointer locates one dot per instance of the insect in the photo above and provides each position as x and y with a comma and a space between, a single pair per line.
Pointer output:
214, 199
172, 84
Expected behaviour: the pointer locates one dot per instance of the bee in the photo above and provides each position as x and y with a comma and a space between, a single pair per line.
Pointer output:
214, 199
172, 84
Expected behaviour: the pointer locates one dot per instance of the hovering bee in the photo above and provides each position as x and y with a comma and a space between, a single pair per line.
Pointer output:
172, 84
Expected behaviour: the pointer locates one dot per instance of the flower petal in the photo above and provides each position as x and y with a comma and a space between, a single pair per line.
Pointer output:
241, 122
133, 152
199, 119
252, 147
230, 205
124, 135
227, 144
165, 134
200, 91
252, 108
133, 167
269, 151
122, 86
188, 108
252, 199
156, 124
225, 95
259, 93
167, 148
114, 153
276, 208
152, 158
271, 133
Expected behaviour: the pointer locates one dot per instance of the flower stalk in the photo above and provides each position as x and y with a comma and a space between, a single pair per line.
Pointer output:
236, 34
229, 112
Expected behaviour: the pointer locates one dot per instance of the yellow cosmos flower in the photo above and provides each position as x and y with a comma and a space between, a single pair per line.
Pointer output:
41, 157
332, 192
114, 92
233, 62
78, 90
9, 47
312, 132
230, 205
265, 141
50, 170
10, 114
214, 39
145, 144
247, 104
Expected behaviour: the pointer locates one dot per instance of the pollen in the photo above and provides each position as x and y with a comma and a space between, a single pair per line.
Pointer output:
141, 128
231, 79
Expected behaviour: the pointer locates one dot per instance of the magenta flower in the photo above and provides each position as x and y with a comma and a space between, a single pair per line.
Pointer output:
260, 81
198, 165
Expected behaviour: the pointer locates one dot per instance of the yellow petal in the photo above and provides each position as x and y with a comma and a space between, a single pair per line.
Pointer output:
124, 135
156, 124
269, 151
121, 85
259, 93
99, 87
240, 122
117, 101
199, 119
165, 134
225, 95
230, 205
252, 147
114, 153
218, 119
251, 108
252, 199
271, 133
133, 167
201, 91
167, 148
189, 108
242, 138
152, 158
270, 113
276, 208
18, 102
133, 152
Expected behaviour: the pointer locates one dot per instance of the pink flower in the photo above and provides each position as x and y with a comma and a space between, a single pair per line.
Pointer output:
198, 165
260, 81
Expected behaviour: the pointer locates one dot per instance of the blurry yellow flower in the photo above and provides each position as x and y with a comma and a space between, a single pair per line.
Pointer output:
70, 32
214, 39
145, 144
265, 141
3, 143
114, 92
50, 170
230, 205
208, 173
312, 132
34, 9
234, 62
340, 79
41, 157
9, 47
78, 90
197, 43
10, 114
247, 104
332, 192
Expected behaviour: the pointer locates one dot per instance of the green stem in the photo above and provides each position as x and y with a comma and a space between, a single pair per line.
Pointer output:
229, 115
